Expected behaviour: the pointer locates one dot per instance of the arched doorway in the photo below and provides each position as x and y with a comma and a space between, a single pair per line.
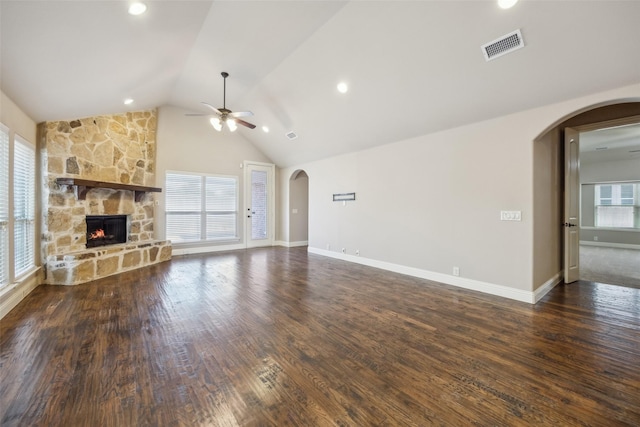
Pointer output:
299, 208
549, 187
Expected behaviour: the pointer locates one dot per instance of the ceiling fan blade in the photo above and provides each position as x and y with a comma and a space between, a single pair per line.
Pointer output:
197, 114
241, 114
212, 107
245, 124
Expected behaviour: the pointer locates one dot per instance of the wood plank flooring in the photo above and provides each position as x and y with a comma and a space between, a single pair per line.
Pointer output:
279, 337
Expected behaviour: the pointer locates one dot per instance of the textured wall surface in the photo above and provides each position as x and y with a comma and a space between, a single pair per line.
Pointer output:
115, 148
118, 148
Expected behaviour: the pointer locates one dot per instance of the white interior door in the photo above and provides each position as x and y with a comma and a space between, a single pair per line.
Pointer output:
571, 205
259, 204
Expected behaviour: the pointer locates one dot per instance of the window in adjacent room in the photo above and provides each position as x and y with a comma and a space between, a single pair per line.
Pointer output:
200, 207
617, 205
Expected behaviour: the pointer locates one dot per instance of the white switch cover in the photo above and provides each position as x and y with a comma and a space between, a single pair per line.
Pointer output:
294, 210
510, 215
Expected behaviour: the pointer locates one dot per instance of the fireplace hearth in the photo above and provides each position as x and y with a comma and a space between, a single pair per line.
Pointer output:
104, 230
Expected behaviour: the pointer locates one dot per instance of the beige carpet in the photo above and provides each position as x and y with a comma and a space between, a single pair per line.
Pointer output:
610, 265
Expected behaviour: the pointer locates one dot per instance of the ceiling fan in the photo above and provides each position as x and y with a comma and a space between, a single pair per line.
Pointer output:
224, 115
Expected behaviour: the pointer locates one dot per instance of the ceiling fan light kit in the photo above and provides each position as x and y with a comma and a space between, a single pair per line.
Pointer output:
216, 123
226, 116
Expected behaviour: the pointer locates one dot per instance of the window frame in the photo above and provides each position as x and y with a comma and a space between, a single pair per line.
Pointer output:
615, 200
203, 213
5, 210
19, 261
24, 257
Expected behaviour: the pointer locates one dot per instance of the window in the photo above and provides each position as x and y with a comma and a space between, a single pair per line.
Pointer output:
17, 206
200, 207
617, 205
24, 199
4, 206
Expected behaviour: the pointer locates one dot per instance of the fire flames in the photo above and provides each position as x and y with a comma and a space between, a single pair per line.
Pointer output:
98, 234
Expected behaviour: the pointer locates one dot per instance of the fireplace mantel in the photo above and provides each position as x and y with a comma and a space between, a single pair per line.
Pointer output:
82, 186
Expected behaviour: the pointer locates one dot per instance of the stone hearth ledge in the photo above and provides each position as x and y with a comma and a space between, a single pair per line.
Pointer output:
95, 263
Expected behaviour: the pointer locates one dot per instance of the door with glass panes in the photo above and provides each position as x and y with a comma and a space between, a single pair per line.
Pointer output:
259, 204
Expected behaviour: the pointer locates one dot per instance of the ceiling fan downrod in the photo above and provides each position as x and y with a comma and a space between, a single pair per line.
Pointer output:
224, 75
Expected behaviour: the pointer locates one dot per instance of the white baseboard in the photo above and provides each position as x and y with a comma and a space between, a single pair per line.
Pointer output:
547, 286
290, 244
12, 294
610, 245
205, 249
461, 282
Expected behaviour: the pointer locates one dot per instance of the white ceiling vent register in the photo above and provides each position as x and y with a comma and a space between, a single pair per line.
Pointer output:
291, 135
505, 44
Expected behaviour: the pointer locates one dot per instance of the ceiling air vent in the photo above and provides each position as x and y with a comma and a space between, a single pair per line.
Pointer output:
505, 44
291, 135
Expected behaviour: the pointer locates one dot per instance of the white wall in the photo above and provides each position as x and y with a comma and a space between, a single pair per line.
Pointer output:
433, 202
548, 208
12, 116
190, 144
621, 170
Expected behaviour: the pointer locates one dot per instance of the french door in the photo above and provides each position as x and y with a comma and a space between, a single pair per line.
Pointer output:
259, 204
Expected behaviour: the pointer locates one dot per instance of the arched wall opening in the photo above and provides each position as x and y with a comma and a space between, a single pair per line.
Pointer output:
299, 208
548, 185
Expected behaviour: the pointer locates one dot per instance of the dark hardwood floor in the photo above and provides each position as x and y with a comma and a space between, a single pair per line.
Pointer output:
278, 337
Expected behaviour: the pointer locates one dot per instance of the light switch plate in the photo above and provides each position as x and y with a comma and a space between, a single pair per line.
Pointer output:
510, 215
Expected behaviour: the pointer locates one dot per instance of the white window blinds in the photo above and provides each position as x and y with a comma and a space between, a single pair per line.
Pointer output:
183, 200
4, 206
200, 207
617, 205
23, 206
221, 206
259, 205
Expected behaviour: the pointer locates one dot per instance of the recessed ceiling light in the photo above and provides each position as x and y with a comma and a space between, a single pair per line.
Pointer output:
507, 4
342, 87
137, 8
265, 129
128, 101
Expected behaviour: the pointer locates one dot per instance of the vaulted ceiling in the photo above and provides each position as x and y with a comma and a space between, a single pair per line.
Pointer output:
413, 67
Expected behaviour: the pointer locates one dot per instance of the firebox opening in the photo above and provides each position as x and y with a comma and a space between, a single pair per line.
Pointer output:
103, 230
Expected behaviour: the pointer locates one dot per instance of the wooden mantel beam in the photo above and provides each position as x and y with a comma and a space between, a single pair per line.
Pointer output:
84, 185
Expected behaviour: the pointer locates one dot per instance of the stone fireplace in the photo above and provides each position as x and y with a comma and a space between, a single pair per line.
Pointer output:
94, 169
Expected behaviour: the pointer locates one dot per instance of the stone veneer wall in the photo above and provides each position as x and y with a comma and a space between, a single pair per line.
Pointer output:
116, 148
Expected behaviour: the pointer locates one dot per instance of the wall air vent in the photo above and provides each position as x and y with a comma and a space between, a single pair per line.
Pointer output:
291, 135
505, 44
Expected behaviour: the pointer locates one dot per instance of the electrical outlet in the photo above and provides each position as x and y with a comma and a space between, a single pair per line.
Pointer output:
344, 250
357, 252
456, 271
595, 238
